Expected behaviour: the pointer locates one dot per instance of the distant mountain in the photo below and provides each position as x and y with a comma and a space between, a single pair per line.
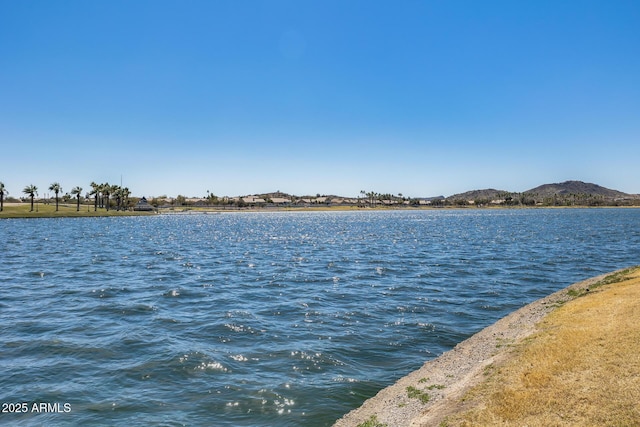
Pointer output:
576, 187
568, 193
487, 194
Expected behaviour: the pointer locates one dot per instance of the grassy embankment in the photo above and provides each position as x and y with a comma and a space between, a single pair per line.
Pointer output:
581, 369
22, 210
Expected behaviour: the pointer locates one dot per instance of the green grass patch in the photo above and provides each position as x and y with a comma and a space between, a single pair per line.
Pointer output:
415, 393
436, 387
575, 293
372, 422
620, 276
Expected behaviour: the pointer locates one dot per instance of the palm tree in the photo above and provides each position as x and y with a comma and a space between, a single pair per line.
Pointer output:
3, 191
102, 194
372, 196
125, 195
108, 190
56, 188
116, 190
77, 191
30, 190
95, 191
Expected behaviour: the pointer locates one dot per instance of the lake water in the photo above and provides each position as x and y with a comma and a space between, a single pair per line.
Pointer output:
267, 319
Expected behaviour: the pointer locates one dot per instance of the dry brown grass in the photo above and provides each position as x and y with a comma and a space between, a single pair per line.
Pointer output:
581, 369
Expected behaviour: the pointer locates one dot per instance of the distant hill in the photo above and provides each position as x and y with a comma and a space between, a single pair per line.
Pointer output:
487, 194
576, 187
568, 193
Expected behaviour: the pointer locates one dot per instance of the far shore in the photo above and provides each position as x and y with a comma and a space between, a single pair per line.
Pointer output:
354, 208
568, 359
48, 210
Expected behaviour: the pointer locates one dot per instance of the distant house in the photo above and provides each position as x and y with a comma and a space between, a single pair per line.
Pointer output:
143, 205
280, 201
253, 200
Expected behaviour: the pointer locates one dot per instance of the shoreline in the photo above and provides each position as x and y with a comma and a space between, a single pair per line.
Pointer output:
441, 383
20, 210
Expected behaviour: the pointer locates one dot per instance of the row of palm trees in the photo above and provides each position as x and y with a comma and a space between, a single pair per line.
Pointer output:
32, 191
100, 192
374, 197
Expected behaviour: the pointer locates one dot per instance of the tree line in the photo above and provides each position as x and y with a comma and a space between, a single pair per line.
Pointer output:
104, 195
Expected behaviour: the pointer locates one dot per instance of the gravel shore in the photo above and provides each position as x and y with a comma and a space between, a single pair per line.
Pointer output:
436, 388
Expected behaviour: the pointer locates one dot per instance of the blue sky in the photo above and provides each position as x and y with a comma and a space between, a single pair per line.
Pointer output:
420, 97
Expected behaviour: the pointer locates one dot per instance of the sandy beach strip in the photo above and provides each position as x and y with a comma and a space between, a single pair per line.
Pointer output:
427, 396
